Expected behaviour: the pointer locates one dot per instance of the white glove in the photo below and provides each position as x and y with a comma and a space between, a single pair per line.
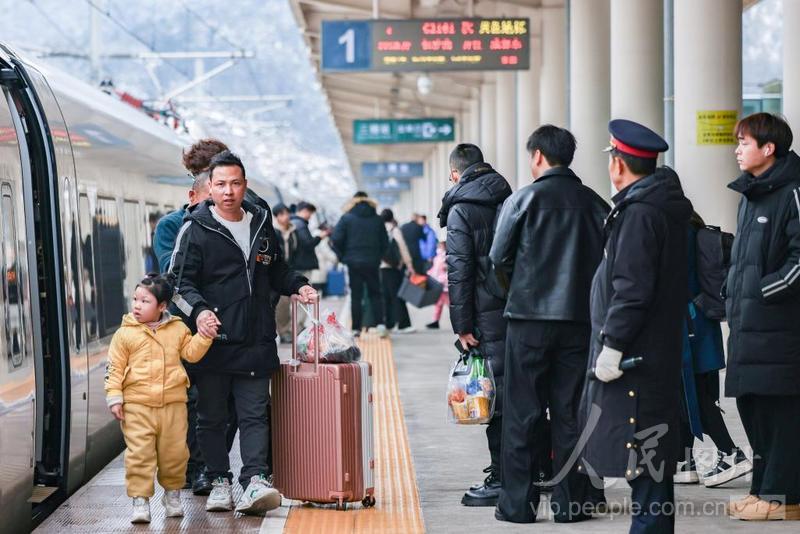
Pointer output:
606, 368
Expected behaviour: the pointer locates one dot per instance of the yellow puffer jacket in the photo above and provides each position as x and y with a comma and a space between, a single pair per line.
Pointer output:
145, 366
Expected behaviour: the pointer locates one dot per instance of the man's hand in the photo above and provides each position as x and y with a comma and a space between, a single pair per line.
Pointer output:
467, 341
307, 294
208, 324
606, 368
119, 414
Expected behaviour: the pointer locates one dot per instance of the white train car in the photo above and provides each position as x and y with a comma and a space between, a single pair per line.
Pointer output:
81, 174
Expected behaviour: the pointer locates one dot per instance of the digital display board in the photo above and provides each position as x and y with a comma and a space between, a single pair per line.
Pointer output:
390, 131
426, 44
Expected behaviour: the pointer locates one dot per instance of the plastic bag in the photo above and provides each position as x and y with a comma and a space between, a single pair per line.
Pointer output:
471, 390
336, 343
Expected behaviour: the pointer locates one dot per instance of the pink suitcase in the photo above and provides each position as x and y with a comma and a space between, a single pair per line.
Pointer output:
322, 429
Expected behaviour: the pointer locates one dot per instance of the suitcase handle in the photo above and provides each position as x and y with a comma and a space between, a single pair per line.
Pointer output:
315, 305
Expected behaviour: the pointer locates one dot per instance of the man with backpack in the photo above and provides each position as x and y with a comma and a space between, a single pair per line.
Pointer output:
394, 261
549, 241
468, 211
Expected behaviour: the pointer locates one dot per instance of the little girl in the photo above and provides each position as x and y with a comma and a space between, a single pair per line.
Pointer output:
439, 272
146, 390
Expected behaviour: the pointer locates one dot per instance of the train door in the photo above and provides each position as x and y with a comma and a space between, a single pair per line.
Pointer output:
17, 377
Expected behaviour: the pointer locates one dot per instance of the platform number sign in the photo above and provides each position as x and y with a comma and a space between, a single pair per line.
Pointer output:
346, 45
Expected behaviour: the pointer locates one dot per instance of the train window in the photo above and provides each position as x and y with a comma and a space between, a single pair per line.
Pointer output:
109, 266
87, 254
150, 258
12, 304
134, 232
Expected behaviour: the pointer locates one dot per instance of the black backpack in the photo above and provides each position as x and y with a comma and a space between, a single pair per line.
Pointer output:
713, 258
392, 255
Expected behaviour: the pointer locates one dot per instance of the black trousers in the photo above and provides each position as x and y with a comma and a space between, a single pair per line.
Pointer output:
370, 276
251, 399
545, 367
395, 307
771, 424
652, 505
707, 387
196, 463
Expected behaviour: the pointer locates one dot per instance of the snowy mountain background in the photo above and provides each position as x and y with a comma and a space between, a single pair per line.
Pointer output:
294, 146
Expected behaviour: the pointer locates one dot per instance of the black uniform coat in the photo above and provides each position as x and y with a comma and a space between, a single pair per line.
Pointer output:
638, 306
468, 211
763, 283
215, 275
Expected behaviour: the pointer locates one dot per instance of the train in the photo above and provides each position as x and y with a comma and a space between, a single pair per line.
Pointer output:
83, 178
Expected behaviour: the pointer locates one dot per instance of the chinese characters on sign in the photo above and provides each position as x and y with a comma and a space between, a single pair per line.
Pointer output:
389, 131
400, 170
427, 44
716, 127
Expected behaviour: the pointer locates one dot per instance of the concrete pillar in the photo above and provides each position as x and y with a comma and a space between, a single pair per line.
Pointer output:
553, 84
506, 160
474, 136
527, 113
589, 83
637, 62
791, 66
488, 121
708, 77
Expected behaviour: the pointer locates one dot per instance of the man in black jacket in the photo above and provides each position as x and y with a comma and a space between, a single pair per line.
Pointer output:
638, 309
413, 232
763, 311
476, 312
305, 258
228, 262
549, 243
360, 241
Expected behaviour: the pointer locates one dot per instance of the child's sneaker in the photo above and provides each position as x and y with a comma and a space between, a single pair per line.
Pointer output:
141, 510
172, 503
259, 497
221, 497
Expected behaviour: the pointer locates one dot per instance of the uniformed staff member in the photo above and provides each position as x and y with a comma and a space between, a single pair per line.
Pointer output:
638, 307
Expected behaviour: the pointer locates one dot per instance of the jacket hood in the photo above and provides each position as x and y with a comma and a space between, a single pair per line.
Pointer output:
661, 189
480, 184
785, 170
361, 207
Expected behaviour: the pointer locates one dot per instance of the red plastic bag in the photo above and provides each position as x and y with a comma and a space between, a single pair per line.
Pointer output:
336, 343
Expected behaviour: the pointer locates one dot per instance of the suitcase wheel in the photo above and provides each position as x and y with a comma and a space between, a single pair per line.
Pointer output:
368, 501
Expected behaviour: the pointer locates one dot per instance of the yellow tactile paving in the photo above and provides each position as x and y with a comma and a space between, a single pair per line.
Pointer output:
398, 508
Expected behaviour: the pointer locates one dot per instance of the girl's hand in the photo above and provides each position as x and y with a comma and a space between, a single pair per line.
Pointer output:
119, 414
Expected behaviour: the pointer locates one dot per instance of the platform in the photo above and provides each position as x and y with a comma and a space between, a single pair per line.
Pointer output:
423, 466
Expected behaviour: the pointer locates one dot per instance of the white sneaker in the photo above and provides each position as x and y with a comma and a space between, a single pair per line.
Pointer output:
259, 497
221, 497
381, 330
141, 510
407, 330
172, 503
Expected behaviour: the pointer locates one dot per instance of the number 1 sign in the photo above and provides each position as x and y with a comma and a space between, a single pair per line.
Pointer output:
346, 45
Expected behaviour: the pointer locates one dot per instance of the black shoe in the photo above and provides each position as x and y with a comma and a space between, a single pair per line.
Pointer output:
201, 484
483, 494
432, 326
501, 517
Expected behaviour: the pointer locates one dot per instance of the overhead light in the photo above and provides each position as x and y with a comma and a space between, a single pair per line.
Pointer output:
424, 84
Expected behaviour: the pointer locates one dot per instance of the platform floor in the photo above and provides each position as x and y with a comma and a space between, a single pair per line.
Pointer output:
423, 465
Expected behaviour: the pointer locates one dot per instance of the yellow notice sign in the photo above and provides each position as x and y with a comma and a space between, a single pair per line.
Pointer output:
716, 127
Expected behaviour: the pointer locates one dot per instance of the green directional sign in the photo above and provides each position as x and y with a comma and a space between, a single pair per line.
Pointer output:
390, 131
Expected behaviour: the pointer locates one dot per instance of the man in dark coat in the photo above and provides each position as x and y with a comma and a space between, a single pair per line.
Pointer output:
549, 243
763, 310
638, 309
468, 211
360, 241
305, 257
228, 262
